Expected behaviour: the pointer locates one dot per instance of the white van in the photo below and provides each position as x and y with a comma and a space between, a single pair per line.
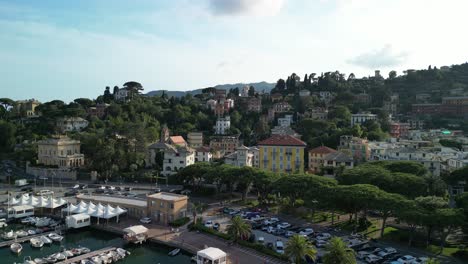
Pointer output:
279, 247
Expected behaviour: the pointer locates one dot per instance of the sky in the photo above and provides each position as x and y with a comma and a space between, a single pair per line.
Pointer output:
52, 49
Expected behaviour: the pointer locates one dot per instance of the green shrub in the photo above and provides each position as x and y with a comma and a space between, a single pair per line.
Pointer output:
179, 222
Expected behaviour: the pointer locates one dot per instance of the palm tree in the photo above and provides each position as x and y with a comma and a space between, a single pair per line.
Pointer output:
197, 208
239, 228
297, 248
338, 252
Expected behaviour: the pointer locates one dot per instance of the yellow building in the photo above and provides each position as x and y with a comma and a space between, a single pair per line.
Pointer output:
167, 207
282, 153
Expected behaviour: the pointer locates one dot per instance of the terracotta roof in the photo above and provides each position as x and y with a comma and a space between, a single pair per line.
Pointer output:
322, 150
282, 140
178, 140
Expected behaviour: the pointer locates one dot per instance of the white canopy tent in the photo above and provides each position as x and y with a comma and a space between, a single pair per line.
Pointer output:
98, 211
38, 201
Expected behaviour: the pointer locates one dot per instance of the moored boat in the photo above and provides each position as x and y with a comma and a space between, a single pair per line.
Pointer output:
31, 232
36, 242
8, 235
21, 233
174, 252
46, 240
40, 261
16, 248
55, 237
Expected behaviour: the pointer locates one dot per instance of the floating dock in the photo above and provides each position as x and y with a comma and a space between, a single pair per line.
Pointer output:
89, 255
22, 239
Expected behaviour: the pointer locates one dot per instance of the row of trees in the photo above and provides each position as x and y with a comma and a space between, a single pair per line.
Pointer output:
426, 211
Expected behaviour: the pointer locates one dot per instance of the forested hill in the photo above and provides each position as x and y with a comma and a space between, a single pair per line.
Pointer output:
259, 86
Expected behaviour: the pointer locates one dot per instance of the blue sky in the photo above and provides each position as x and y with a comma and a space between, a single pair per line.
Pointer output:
70, 49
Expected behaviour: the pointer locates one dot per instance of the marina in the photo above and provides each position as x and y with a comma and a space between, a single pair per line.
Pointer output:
97, 241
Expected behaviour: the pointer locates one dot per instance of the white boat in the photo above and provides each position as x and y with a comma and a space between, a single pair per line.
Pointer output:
44, 221
105, 259
84, 250
40, 261
36, 242
9, 235
96, 259
46, 240
3, 223
58, 256
67, 253
122, 252
50, 259
21, 233
28, 260
174, 252
55, 237
16, 248
31, 232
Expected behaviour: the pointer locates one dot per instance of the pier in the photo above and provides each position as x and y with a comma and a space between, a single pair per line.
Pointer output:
23, 239
77, 259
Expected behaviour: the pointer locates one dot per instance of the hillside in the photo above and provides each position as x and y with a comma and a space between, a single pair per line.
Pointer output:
259, 86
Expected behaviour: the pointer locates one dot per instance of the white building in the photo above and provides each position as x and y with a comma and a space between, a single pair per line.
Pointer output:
229, 103
240, 158
68, 124
284, 122
361, 118
177, 157
203, 154
223, 124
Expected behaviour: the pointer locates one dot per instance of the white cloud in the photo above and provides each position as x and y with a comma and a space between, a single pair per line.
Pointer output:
246, 7
381, 58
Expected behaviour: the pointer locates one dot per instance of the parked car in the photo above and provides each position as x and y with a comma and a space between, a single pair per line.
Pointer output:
71, 193
261, 240
256, 225
320, 243
289, 234
27, 189
373, 258
227, 210
324, 236
186, 192
307, 232
279, 247
216, 226
269, 245
131, 195
271, 230
362, 254
283, 225
274, 220
209, 224
145, 220
45, 193
128, 189
407, 259
279, 232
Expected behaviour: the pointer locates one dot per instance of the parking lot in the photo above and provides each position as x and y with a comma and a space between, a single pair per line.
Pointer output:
267, 229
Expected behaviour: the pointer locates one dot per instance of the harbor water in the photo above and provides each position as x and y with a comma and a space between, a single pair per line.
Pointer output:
94, 240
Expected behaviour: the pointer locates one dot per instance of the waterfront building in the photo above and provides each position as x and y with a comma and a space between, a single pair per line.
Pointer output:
203, 154
167, 207
358, 147
282, 153
223, 124
243, 156
336, 162
211, 255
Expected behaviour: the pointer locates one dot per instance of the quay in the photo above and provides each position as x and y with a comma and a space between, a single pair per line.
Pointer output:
23, 239
77, 259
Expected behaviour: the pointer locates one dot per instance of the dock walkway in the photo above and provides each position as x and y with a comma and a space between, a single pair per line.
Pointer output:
22, 239
77, 259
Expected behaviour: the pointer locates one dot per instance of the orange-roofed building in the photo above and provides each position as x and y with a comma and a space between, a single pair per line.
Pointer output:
177, 140
282, 153
316, 157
